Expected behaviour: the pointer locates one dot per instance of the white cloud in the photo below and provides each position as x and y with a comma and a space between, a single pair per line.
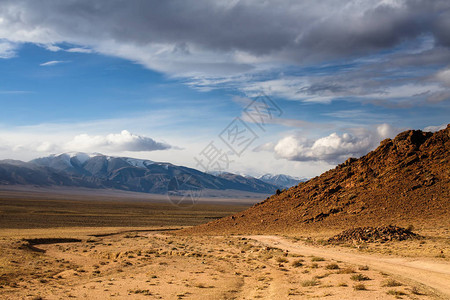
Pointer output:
386, 131
435, 128
333, 148
444, 76
55, 48
52, 63
47, 147
79, 50
7, 49
124, 141
52, 48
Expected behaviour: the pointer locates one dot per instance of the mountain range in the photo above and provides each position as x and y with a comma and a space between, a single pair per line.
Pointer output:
280, 180
130, 174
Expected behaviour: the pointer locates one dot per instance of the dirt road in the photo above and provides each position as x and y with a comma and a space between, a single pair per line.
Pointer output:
434, 275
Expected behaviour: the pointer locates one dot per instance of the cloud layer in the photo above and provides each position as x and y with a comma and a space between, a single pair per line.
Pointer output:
240, 44
175, 36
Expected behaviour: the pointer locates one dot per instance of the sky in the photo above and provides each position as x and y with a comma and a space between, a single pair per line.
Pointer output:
250, 87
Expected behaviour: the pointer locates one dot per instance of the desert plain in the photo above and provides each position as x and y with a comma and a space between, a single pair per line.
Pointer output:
104, 247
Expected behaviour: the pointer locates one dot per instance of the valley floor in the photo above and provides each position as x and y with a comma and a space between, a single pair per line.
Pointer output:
141, 263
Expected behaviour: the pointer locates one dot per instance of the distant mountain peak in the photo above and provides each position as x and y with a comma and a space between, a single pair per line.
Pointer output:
281, 180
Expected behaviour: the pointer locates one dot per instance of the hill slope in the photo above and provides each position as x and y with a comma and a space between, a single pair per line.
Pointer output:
404, 181
16, 172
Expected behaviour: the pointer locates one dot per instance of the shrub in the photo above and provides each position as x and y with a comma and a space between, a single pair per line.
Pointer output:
297, 263
332, 266
347, 270
410, 228
315, 258
359, 287
312, 282
416, 291
392, 283
395, 293
282, 260
359, 277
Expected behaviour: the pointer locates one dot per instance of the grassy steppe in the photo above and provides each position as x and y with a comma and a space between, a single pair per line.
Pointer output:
40, 210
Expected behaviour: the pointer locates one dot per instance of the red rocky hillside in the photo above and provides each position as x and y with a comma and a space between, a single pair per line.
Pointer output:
405, 181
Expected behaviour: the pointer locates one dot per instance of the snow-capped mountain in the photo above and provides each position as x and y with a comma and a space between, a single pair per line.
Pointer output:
280, 180
125, 173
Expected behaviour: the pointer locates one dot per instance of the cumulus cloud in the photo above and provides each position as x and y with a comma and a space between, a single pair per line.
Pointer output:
46, 147
111, 143
334, 148
124, 141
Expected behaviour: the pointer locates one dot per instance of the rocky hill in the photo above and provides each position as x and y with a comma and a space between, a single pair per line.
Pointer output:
405, 181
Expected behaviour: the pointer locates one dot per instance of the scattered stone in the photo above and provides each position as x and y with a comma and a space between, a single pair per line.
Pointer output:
374, 234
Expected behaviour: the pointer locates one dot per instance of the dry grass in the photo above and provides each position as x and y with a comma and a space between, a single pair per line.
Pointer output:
282, 260
416, 291
346, 270
332, 266
311, 282
359, 287
359, 277
316, 258
297, 263
396, 293
25, 210
391, 283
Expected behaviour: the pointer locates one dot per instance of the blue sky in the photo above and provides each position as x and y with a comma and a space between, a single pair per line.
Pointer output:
132, 83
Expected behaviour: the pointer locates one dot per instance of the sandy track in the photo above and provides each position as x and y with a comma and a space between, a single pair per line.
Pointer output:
434, 275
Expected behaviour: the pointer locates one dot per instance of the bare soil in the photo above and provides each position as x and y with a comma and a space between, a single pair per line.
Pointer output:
157, 265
